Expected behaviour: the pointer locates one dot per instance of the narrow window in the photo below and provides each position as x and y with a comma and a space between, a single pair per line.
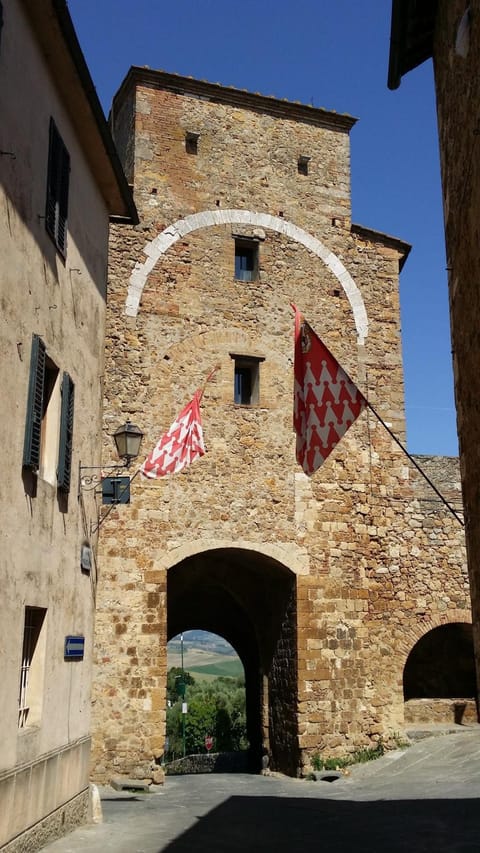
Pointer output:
246, 260
57, 189
66, 434
30, 695
1, 19
246, 389
191, 143
302, 165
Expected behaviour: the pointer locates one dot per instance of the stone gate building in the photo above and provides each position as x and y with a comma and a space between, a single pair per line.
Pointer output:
325, 586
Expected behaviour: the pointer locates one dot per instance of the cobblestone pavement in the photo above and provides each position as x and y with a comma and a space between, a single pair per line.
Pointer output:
425, 798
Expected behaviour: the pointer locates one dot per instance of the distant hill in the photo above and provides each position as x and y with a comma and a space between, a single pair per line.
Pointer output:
205, 655
202, 640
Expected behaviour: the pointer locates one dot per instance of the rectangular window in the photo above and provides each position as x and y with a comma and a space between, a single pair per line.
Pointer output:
30, 695
47, 448
246, 389
302, 165
191, 143
58, 178
246, 260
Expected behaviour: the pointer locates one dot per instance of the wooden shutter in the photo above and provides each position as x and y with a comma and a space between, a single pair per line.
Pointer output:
33, 424
57, 189
66, 434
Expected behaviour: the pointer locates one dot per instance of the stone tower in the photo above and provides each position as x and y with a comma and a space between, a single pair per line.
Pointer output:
323, 585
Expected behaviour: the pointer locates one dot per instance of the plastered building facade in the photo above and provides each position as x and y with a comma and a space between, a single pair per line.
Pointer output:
60, 182
323, 585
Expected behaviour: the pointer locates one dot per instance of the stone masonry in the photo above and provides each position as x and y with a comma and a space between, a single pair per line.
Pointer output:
323, 584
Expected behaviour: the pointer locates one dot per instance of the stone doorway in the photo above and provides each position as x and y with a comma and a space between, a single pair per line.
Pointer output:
250, 600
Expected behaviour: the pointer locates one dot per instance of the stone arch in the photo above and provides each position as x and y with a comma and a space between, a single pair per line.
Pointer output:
441, 664
418, 629
207, 218
248, 597
293, 557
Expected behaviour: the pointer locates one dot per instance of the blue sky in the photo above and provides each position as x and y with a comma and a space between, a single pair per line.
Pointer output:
334, 55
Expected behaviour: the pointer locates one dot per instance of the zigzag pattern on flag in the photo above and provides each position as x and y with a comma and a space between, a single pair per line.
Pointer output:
180, 445
326, 401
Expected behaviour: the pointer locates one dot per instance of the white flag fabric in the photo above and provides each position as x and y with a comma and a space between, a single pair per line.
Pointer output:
180, 445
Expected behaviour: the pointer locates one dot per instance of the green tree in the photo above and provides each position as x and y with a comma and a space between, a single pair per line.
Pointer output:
215, 708
175, 677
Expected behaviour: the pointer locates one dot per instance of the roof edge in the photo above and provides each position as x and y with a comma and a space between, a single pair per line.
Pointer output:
218, 93
37, 14
375, 236
71, 39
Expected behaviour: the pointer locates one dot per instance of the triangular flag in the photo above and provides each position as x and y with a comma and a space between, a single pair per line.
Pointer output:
180, 445
326, 401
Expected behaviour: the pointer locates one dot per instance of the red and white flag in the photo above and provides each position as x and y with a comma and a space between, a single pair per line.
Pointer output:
326, 401
180, 445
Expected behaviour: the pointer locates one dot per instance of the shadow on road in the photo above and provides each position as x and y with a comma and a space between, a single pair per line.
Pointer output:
289, 824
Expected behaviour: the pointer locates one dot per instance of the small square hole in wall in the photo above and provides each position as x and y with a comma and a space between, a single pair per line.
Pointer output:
246, 389
191, 143
302, 165
246, 260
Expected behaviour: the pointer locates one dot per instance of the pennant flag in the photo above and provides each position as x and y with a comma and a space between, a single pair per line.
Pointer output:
180, 445
326, 401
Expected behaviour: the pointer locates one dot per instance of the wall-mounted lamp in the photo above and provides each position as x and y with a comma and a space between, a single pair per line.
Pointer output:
115, 488
128, 439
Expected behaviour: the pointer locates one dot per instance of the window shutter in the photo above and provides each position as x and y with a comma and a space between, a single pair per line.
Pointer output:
66, 434
33, 424
57, 189
63, 199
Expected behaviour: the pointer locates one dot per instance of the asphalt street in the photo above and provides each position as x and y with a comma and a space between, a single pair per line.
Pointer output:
424, 798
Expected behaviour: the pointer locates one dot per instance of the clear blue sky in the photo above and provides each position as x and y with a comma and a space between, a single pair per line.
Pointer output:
334, 55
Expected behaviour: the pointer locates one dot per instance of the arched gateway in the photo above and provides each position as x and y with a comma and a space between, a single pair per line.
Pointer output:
320, 583
250, 600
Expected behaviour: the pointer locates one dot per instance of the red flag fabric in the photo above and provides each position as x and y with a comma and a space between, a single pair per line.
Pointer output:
326, 401
180, 445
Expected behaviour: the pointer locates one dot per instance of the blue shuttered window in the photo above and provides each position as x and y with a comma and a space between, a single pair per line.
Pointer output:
66, 434
57, 189
33, 424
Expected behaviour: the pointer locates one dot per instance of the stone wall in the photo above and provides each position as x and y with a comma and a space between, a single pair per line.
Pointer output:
376, 560
457, 79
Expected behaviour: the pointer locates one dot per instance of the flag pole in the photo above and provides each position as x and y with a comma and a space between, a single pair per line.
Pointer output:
417, 466
210, 376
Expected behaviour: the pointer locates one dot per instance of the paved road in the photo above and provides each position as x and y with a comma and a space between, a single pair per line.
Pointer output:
426, 798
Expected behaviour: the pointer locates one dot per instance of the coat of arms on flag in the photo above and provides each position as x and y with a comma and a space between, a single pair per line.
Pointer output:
326, 401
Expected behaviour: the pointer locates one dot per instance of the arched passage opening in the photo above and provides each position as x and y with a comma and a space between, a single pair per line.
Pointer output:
205, 676
250, 600
439, 682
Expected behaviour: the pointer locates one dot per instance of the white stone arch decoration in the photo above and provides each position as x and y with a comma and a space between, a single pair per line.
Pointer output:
293, 557
207, 218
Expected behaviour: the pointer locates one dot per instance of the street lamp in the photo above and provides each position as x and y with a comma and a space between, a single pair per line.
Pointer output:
115, 488
184, 704
128, 439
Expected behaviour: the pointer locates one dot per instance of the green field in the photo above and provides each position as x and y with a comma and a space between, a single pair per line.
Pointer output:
230, 668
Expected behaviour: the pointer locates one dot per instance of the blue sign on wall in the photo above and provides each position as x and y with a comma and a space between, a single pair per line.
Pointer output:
74, 648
